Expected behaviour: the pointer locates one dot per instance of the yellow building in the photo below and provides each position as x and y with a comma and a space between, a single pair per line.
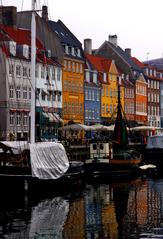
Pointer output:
109, 97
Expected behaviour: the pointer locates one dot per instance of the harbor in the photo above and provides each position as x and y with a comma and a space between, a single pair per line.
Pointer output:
81, 140
110, 209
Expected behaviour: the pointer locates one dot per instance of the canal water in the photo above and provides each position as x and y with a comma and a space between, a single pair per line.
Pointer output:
113, 210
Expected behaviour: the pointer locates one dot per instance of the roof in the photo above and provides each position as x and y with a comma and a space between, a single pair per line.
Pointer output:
99, 63
64, 34
20, 36
127, 58
158, 63
137, 62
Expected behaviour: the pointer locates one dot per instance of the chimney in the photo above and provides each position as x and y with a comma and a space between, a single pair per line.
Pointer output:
45, 13
88, 46
128, 51
113, 39
8, 15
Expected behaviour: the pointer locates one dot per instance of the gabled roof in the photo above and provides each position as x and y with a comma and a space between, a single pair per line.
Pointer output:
123, 55
138, 63
64, 34
99, 63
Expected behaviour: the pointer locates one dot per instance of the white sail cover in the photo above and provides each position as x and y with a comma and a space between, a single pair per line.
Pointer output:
48, 160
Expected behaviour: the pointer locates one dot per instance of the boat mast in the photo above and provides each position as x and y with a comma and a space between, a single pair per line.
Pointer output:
33, 66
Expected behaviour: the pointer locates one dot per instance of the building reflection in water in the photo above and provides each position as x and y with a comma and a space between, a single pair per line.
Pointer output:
102, 211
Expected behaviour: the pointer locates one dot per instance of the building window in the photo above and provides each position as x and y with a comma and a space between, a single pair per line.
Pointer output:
59, 96
25, 92
87, 76
54, 96
42, 72
11, 92
104, 77
18, 118
43, 96
11, 118
24, 71
77, 67
11, 69
18, 92
69, 65
25, 119
73, 66
58, 74
86, 94
81, 68
29, 93
18, 70
49, 97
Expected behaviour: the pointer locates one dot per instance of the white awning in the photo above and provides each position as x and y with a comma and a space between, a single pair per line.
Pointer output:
45, 115
44, 91
52, 118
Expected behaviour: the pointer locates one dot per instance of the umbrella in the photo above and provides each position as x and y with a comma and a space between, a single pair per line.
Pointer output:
99, 127
144, 128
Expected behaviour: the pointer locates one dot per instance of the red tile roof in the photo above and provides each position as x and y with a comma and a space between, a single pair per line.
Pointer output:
137, 62
99, 63
20, 36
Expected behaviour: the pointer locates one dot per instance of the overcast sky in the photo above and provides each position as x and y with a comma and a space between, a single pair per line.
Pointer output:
137, 23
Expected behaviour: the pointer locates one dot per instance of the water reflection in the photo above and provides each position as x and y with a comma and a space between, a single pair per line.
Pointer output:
48, 218
115, 210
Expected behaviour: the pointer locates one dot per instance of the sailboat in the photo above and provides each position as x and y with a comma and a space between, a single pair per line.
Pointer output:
37, 163
114, 158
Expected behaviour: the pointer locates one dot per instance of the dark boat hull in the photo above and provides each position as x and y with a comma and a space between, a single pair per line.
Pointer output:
113, 169
14, 177
154, 156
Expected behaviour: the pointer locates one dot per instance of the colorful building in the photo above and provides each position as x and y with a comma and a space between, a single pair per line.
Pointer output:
16, 82
131, 73
108, 77
73, 74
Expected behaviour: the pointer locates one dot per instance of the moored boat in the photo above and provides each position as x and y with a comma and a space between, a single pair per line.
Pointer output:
34, 162
154, 150
115, 158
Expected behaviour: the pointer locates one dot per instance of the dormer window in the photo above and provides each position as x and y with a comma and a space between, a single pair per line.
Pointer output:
87, 76
154, 72
78, 53
73, 51
66, 49
69, 50
150, 72
12, 48
26, 51
104, 77
95, 77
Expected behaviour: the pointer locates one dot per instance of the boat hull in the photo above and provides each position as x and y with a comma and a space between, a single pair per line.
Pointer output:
12, 177
113, 168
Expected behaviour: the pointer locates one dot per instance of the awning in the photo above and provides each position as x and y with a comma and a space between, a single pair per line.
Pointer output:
26, 110
13, 110
44, 91
59, 119
45, 115
52, 118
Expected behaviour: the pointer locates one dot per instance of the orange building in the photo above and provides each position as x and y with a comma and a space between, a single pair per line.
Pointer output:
141, 100
73, 74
